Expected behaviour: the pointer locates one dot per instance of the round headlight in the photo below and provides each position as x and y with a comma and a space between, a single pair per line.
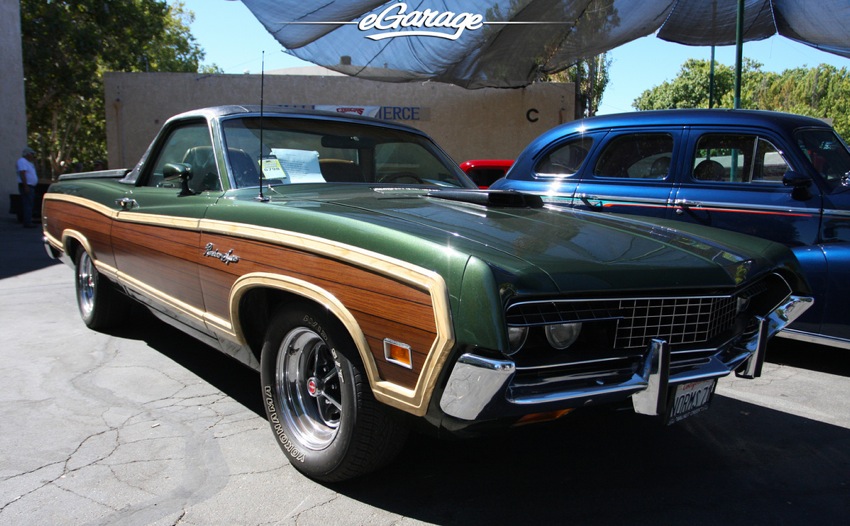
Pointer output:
516, 337
563, 335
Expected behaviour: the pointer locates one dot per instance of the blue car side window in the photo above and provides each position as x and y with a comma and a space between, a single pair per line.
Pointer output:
566, 160
737, 158
636, 156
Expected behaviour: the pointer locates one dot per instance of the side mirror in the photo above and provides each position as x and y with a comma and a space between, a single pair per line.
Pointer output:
799, 183
796, 179
182, 171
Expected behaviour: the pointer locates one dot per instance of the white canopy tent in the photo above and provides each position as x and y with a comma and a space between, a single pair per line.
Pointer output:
510, 43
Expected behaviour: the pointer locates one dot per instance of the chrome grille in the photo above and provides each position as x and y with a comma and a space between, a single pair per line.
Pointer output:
677, 320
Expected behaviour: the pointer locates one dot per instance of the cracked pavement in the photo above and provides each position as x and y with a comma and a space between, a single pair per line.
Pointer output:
150, 427
102, 429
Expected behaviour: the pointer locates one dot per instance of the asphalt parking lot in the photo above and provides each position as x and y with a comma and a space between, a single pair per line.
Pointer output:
148, 426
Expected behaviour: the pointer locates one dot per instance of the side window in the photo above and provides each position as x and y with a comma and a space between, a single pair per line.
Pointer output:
735, 158
638, 156
189, 145
565, 160
769, 166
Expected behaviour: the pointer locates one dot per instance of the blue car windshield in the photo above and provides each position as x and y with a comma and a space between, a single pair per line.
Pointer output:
298, 151
827, 153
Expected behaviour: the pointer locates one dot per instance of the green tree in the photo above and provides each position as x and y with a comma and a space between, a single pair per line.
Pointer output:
823, 91
590, 77
68, 45
690, 89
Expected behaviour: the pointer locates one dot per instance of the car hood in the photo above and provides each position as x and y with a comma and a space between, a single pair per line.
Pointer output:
524, 241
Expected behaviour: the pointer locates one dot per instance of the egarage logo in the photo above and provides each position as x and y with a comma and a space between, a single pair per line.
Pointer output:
397, 21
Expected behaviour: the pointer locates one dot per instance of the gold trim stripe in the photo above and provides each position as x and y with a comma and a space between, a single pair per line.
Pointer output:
86, 203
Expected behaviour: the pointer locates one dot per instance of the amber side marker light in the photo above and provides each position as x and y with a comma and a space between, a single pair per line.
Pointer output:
542, 417
398, 353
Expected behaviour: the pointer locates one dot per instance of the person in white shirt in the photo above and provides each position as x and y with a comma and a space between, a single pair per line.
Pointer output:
27, 181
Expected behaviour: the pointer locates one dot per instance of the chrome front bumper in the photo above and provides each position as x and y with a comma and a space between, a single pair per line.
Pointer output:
477, 386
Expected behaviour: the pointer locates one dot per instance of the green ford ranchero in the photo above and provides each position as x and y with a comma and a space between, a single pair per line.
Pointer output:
354, 264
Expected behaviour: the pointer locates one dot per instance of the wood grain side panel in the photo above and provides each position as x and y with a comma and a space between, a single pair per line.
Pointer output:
165, 259
383, 307
63, 216
216, 285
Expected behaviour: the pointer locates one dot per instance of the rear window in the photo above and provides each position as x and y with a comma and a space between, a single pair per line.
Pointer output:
565, 160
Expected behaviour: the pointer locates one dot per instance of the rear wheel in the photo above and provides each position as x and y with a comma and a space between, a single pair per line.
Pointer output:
318, 400
101, 305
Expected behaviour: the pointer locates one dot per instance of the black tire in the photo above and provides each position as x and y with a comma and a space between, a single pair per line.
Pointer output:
318, 401
101, 305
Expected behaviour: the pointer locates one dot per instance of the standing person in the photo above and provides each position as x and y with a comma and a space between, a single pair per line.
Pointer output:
27, 181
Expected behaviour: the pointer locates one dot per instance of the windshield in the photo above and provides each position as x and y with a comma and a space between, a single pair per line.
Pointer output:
827, 153
296, 151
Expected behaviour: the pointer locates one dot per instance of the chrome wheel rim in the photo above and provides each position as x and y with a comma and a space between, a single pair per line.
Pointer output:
309, 388
86, 275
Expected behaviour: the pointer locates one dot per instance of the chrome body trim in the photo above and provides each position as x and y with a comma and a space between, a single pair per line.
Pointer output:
836, 212
730, 206
474, 382
51, 252
477, 382
818, 339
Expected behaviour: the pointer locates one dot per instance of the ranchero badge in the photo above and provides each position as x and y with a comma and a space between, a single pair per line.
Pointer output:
227, 257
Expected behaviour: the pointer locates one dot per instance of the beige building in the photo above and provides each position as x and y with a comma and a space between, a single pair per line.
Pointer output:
469, 124
13, 114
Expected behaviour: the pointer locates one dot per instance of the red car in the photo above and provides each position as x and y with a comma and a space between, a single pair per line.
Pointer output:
484, 172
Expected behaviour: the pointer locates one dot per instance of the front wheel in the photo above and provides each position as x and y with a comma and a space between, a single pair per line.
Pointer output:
318, 400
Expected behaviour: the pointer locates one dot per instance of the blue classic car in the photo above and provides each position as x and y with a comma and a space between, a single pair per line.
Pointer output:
777, 176
373, 286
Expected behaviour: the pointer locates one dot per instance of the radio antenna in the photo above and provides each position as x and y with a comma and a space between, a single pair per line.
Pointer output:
261, 197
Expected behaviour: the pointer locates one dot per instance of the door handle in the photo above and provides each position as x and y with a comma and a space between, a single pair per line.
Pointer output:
126, 203
586, 199
681, 204
687, 203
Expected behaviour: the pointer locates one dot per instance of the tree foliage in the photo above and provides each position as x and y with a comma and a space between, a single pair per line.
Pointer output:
68, 45
822, 91
590, 77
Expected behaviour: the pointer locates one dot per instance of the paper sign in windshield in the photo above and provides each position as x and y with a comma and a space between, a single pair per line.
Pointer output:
301, 166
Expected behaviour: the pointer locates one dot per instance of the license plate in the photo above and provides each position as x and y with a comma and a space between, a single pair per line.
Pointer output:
690, 399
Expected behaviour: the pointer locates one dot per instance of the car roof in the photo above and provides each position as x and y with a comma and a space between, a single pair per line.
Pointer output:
269, 110
773, 120
695, 117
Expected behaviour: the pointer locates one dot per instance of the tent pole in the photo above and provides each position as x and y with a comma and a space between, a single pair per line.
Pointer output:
711, 80
739, 52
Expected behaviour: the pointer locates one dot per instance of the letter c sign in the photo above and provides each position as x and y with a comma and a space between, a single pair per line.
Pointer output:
532, 114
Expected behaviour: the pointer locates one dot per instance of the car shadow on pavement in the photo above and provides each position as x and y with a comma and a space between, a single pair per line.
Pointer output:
809, 356
238, 381
23, 249
738, 463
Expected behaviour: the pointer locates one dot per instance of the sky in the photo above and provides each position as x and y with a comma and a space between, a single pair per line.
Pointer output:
235, 41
